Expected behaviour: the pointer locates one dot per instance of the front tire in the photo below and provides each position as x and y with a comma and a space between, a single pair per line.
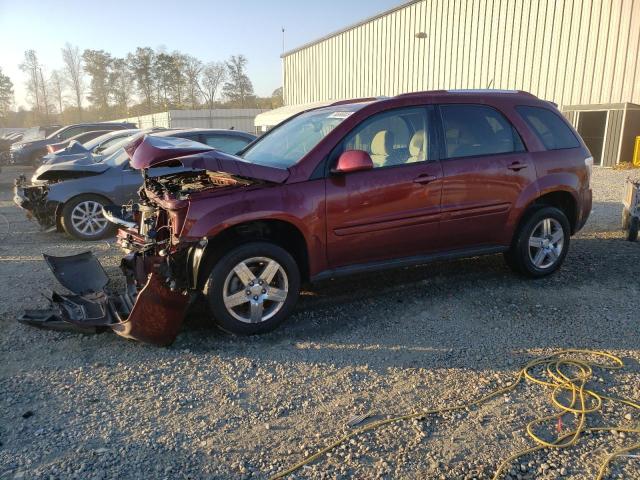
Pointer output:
253, 288
541, 243
82, 218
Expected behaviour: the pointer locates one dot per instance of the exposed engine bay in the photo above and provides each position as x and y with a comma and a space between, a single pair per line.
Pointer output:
181, 185
33, 199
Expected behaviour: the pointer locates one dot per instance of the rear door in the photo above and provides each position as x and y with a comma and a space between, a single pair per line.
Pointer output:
391, 211
485, 169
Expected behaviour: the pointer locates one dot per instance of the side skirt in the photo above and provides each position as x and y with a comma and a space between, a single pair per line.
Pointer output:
408, 261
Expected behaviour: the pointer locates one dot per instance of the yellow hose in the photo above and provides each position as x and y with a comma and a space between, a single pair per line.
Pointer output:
559, 378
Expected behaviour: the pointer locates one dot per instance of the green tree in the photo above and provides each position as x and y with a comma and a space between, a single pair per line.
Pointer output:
238, 88
98, 64
6, 94
121, 84
142, 67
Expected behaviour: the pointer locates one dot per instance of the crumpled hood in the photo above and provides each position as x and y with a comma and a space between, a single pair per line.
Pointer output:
67, 170
151, 151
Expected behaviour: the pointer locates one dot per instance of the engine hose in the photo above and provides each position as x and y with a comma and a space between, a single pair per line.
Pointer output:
561, 373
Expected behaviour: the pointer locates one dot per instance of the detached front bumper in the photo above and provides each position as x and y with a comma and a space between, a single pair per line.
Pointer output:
150, 309
33, 199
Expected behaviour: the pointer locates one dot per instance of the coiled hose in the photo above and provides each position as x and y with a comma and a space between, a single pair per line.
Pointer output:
564, 374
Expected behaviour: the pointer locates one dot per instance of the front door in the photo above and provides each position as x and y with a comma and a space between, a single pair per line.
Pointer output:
391, 211
485, 170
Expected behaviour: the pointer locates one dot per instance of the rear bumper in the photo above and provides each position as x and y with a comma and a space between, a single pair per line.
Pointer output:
584, 210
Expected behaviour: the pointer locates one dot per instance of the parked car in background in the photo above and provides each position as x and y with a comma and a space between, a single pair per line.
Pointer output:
5, 144
80, 138
92, 148
30, 152
349, 188
69, 196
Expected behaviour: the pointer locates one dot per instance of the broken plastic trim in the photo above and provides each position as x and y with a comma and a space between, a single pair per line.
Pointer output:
152, 315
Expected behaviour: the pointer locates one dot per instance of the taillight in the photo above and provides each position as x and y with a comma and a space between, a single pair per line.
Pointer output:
50, 149
588, 162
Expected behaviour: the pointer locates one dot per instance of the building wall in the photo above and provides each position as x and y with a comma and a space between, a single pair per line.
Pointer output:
566, 51
238, 118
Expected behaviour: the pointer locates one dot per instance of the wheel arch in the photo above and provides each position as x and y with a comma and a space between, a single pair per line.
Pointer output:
280, 232
563, 200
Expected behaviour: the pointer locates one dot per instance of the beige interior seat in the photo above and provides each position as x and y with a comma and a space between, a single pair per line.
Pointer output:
418, 147
381, 147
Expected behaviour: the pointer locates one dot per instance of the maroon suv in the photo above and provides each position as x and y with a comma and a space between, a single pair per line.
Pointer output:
356, 186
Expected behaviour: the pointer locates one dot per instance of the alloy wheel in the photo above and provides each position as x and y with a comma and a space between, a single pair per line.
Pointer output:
546, 243
255, 289
87, 218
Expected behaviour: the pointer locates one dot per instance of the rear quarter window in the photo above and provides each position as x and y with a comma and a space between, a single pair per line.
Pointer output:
549, 127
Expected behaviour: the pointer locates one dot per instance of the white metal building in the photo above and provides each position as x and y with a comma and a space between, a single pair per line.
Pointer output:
572, 52
237, 118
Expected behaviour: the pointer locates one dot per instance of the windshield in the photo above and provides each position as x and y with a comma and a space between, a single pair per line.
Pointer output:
108, 139
119, 157
118, 145
285, 145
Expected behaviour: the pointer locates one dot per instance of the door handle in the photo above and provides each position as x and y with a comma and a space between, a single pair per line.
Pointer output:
515, 166
424, 179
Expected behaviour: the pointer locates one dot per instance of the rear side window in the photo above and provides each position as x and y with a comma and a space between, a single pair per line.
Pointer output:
472, 130
549, 127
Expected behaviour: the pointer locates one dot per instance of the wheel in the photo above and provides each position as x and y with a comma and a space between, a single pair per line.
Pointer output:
82, 218
541, 243
632, 232
253, 288
625, 218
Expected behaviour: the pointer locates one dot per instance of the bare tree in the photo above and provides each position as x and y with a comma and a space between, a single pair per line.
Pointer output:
31, 66
192, 70
57, 89
72, 60
211, 79
239, 88
44, 94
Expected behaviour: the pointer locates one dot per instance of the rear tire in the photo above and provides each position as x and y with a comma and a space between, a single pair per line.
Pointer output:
253, 288
541, 243
82, 218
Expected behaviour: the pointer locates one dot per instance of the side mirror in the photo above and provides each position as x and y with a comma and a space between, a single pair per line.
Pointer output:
353, 161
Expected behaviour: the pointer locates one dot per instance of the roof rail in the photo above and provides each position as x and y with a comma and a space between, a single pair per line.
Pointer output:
355, 100
469, 90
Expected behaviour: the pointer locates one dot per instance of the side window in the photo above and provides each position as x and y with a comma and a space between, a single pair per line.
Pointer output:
393, 138
552, 130
71, 132
226, 143
472, 130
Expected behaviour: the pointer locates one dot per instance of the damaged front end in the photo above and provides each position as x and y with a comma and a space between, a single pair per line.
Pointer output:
33, 199
162, 261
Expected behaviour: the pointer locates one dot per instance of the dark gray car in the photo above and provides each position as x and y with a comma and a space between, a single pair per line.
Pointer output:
69, 196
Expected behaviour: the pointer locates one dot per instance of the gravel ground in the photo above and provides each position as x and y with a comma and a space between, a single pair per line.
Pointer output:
215, 406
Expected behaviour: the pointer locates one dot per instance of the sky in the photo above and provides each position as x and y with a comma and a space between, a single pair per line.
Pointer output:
209, 30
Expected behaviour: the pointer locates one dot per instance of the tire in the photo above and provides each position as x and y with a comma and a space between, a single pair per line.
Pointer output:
625, 218
547, 227
632, 232
250, 296
95, 227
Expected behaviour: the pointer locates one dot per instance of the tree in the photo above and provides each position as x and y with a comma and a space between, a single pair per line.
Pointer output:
44, 94
192, 70
57, 89
72, 61
238, 88
31, 66
98, 64
6, 94
141, 63
212, 76
164, 73
121, 84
